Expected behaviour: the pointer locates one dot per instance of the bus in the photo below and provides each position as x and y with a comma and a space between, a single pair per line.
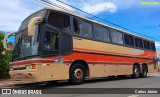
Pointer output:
53, 44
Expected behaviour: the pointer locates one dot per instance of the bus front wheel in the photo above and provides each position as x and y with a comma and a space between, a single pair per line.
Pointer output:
77, 74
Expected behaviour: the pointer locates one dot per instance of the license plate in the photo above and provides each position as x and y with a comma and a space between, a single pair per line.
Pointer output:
18, 76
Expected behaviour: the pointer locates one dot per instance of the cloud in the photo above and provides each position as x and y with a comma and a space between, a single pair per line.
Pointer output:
100, 7
14, 12
125, 4
62, 5
91, 6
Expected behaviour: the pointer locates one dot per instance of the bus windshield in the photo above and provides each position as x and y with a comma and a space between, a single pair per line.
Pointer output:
26, 46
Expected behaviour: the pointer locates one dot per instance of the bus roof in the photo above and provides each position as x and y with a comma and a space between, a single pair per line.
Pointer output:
80, 16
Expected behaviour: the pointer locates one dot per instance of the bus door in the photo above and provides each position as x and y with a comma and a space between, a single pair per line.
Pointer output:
56, 44
50, 50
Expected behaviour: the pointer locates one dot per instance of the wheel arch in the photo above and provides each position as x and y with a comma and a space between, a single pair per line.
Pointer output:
136, 64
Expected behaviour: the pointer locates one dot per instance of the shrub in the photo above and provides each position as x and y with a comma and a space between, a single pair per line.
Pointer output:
4, 59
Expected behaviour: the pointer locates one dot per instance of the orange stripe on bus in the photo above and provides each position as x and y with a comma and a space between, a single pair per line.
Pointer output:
90, 58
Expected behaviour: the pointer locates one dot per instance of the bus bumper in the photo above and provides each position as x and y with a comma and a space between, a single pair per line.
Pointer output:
24, 75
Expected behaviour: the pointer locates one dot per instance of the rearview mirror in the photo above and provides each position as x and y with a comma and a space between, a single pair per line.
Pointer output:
32, 23
5, 40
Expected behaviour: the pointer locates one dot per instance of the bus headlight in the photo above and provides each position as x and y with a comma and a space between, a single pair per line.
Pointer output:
33, 66
11, 68
27, 66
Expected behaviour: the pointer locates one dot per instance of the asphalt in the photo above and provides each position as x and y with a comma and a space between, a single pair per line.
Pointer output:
98, 86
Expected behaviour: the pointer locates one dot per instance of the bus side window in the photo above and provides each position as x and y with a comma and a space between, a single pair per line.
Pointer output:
50, 41
77, 27
146, 44
98, 32
106, 34
138, 42
116, 36
153, 46
87, 29
129, 40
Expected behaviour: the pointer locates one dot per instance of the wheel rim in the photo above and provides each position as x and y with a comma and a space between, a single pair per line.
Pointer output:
136, 72
78, 73
144, 72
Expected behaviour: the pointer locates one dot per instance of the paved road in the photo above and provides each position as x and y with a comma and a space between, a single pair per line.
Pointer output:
152, 81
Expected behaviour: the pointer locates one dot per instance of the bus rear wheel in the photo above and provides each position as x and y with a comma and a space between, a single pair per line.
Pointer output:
77, 74
136, 71
144, 72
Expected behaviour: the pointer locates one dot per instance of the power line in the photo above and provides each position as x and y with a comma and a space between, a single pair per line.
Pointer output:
93, 9
51, 3
104, 20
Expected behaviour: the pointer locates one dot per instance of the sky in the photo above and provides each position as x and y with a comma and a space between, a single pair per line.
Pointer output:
142, 16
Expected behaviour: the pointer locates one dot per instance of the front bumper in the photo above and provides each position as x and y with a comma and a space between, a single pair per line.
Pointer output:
25, 75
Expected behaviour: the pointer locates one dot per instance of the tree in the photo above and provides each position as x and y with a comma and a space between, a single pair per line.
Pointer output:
4, 59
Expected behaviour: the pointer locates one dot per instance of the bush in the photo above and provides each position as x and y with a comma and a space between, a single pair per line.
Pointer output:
4, 59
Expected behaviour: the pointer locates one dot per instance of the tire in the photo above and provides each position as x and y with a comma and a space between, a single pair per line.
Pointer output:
144, 72
77, 74
136, 72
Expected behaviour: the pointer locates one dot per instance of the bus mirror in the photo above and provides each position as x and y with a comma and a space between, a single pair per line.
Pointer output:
5, 40
31, 25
